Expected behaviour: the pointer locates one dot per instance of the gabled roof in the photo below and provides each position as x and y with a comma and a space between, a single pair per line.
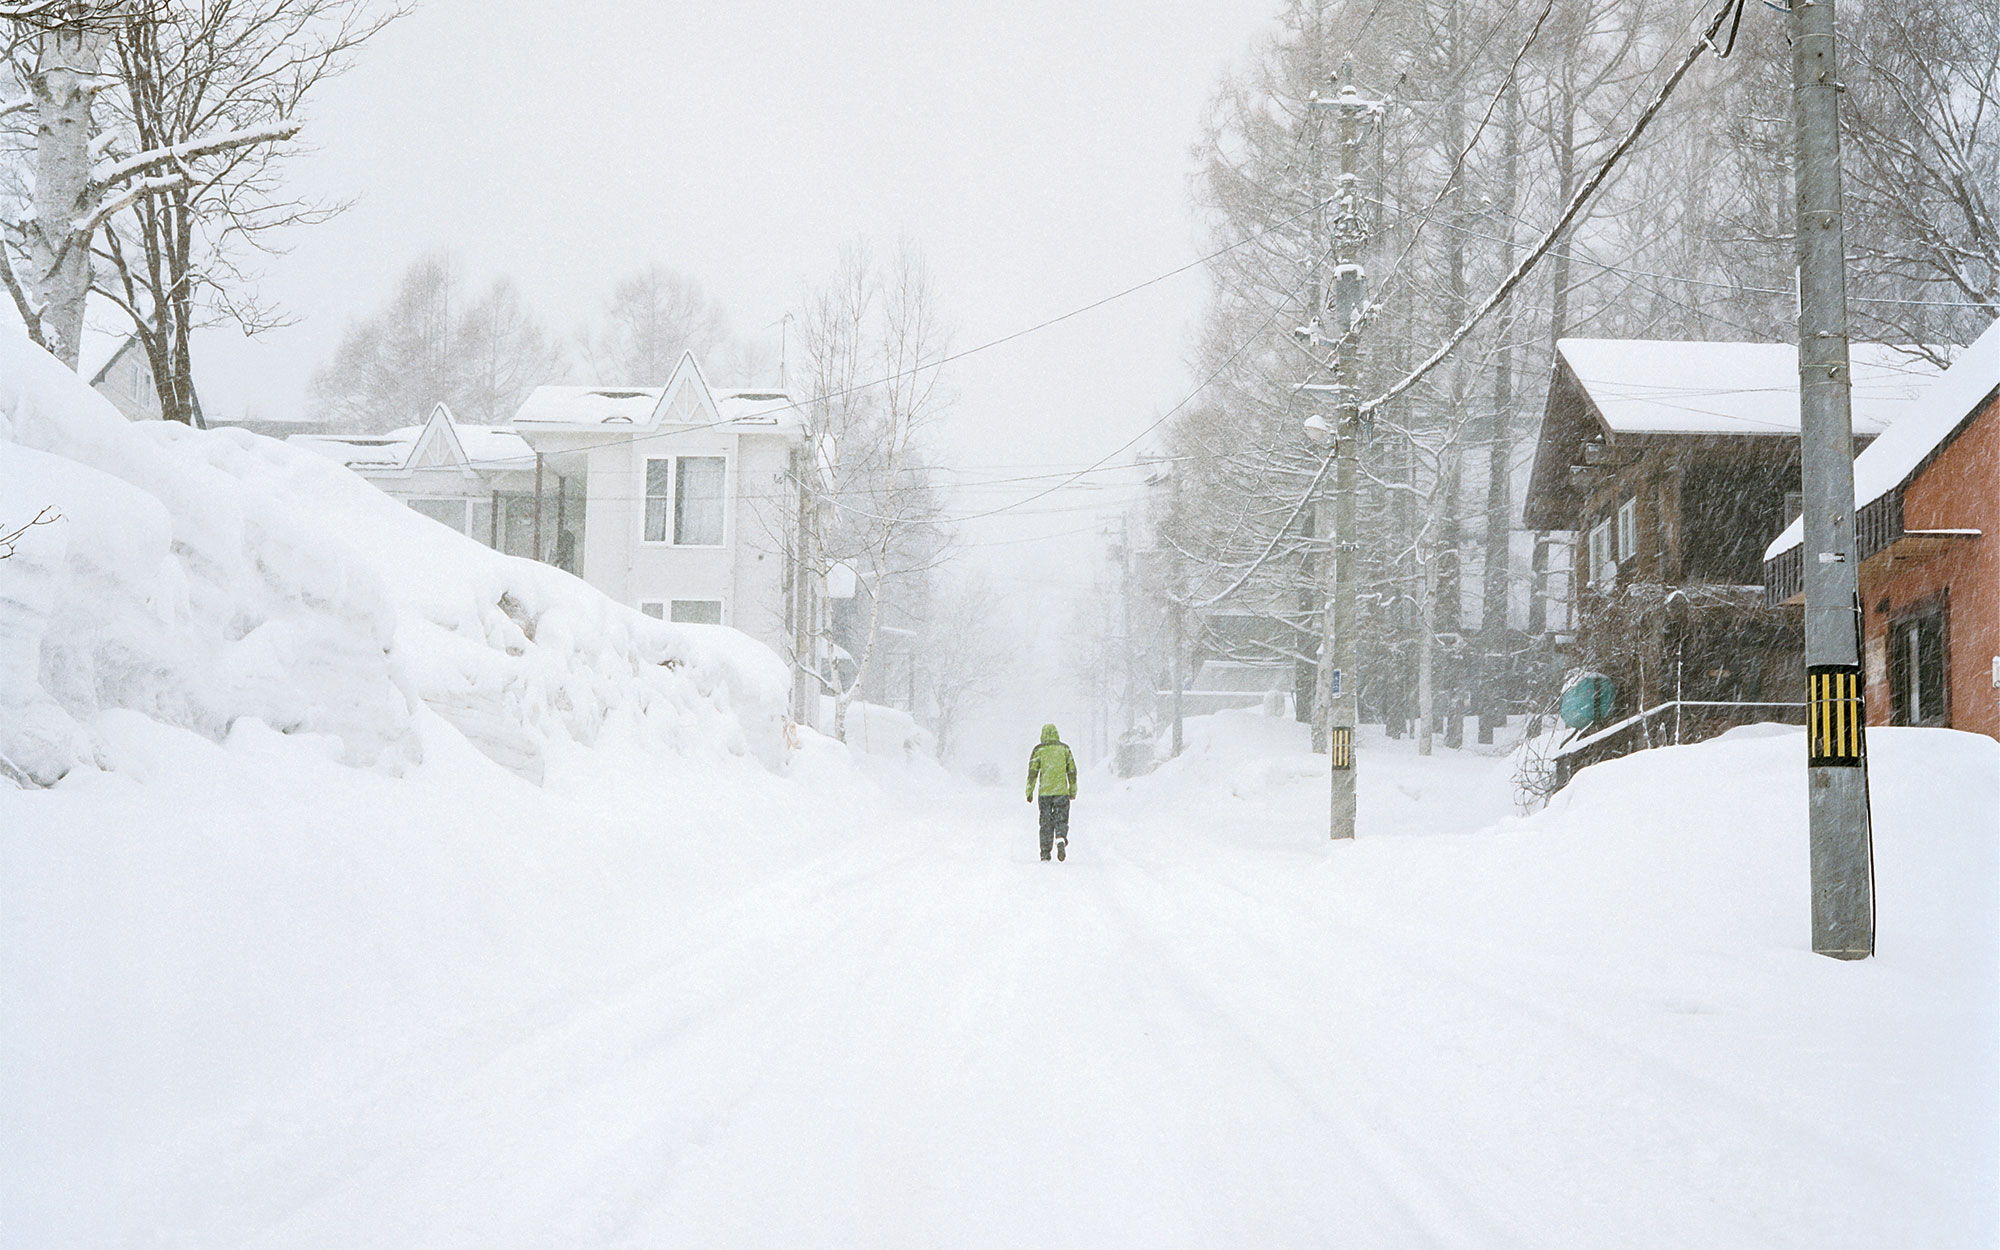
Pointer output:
1946, 408
686, 401
439, 443
1609, 390
97, 375
1643, 386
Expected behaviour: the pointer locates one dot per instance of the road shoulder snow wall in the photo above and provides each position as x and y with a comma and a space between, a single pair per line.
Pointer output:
200, 577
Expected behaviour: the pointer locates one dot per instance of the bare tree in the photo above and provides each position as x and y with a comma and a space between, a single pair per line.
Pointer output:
873, 339
500, 353
209, 86
54, 54
421, 348
964, 652
653, 317
159, 134
1922, 123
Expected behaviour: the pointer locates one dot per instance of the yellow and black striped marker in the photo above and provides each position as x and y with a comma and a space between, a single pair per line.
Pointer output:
1341, 747
1835, 717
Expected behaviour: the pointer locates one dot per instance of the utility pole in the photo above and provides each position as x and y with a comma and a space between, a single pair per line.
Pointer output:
1338, 684
1843, 870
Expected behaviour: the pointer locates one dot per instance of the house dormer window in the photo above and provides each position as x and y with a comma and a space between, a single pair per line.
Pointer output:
1628, 529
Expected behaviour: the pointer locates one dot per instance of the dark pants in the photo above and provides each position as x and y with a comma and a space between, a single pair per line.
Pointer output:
1055, 821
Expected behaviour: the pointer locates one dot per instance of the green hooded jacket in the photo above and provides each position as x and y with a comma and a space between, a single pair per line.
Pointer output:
1053, 765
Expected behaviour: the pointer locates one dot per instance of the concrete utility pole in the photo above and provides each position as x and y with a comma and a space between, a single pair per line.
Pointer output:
1843, 871
1338, 680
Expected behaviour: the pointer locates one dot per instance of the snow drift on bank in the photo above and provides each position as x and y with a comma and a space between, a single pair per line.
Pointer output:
205, 577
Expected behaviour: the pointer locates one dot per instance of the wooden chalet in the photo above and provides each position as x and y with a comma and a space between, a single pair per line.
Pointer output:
1672, 465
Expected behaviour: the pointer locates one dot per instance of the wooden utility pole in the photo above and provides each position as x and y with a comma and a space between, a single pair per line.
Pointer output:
1843, 873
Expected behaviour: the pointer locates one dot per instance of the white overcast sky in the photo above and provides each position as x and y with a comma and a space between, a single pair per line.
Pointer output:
1039, 152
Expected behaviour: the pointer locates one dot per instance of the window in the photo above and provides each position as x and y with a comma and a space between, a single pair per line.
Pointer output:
697, 611
1917, 650
1628, 529
1602, 571
450, 512
659, 476
655, 609
698, 484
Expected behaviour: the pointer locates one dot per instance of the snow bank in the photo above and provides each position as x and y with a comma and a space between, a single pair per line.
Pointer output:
1256, 773
1602, 1024
203, 578
876, 730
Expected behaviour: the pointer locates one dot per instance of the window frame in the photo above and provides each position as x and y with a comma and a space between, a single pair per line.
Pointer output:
721, 611
670, 501
666, 501
1909, 625
661, 604
1603, 568
1628, 528
465, 505
722, 502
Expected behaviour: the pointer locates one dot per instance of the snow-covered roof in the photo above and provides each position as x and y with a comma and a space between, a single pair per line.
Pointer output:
99, 352
686, 400
1889, 461
361, 451
768, 408
590, 405
478, 447
1643, 386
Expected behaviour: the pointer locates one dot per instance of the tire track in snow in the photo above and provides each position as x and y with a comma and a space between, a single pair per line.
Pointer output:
1422, 1193
1636, 1070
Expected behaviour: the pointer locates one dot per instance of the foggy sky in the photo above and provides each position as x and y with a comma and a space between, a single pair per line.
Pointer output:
1038, 151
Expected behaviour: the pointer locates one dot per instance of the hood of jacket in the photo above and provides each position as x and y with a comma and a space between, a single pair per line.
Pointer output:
1049, 734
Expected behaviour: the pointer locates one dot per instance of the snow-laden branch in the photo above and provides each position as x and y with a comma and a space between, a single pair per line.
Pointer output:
111, 173
132, 193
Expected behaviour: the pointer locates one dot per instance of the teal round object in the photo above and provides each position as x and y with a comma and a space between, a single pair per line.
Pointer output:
1588, 700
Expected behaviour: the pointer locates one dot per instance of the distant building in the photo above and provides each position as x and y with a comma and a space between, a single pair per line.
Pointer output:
685, 494
1927, 533
1670, 465
126, 379
479, 480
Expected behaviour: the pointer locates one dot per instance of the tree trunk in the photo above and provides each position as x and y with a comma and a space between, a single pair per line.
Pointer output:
1426, 645
1494, 579
58, 260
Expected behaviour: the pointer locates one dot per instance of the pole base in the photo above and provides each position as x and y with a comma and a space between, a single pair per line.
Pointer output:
1843, 867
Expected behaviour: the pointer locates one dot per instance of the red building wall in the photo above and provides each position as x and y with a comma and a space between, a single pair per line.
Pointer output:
1958, 490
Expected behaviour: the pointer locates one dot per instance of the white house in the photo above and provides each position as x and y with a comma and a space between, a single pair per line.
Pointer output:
479, 480
687, 494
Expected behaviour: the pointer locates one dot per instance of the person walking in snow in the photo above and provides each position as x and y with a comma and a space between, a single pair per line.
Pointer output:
1053, 769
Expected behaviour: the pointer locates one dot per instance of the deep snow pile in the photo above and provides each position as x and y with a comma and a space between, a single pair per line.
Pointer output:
203, 578
254, 997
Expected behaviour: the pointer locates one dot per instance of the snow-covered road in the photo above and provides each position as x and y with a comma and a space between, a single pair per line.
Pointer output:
1197, 1032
